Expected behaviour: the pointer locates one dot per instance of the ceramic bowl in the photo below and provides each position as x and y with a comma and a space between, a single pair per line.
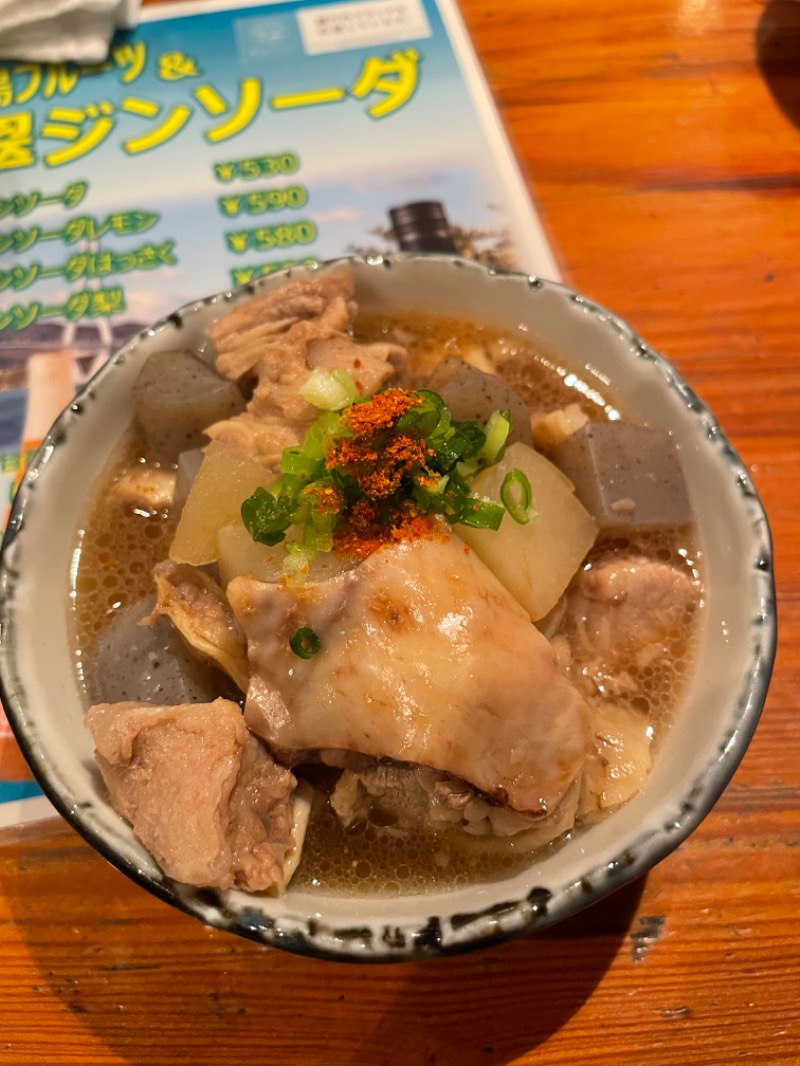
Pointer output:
698, 756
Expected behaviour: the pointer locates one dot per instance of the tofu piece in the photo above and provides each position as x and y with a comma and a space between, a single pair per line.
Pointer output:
627, 477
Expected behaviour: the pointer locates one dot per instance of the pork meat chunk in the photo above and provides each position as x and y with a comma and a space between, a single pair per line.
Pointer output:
621, 602
621, 617
425, 658
634, 600
202, 794
242, 335
407, 797
401, 796
279, 339
371, 366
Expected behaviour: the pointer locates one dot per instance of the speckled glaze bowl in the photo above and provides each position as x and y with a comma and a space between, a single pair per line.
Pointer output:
698, 756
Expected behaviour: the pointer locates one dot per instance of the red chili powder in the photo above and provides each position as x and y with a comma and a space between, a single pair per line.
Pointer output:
379, 458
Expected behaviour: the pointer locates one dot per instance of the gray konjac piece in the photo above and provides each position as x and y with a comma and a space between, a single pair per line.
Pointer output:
175, 394
472, 395
627, 477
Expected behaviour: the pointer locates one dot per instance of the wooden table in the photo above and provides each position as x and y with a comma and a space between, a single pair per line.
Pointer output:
662, 141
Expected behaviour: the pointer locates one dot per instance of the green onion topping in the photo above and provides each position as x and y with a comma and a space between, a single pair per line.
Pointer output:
305, 643
497, 429
330, 390
375, 469
515, 493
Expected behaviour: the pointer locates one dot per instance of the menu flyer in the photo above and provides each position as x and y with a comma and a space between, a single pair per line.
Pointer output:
215, 145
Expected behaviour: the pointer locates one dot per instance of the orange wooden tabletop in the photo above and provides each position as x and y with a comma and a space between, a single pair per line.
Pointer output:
661, 141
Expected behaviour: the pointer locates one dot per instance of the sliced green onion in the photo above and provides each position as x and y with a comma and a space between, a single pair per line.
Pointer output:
515, 493
305, 467
443, 429
286, 487
438, 488
266, 517
481, 513
469, 438
497, 430
320, 433
346, 482
330, 390
305, 643
460, 445
446, 451
313, 496
469, 468
296, 564
318, 524
423, 418
294, 547
430, 497
318, 538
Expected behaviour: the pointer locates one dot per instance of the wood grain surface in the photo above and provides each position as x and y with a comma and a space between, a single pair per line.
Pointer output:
661, 140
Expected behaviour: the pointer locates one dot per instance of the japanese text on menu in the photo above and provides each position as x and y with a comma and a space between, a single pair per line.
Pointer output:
138, 124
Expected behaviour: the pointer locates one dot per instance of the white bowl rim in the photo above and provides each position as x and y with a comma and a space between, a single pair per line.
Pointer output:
439, 934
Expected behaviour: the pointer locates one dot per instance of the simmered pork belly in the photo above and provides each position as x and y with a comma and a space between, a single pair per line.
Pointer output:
425, 658
280, 338
202, 794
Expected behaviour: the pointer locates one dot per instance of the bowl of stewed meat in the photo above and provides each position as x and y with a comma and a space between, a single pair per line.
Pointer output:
386, 608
